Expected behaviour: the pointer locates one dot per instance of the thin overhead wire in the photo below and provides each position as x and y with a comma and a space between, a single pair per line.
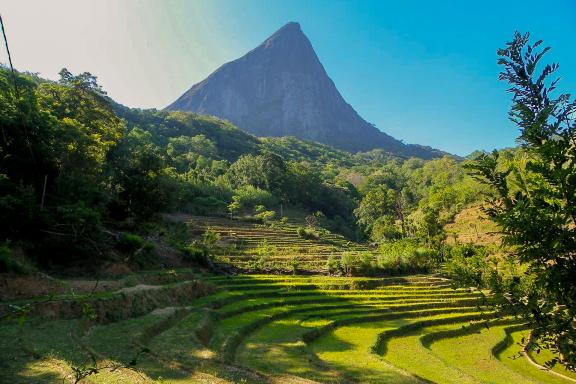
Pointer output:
9, 56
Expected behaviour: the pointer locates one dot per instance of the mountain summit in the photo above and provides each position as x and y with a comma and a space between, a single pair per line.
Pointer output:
280, 88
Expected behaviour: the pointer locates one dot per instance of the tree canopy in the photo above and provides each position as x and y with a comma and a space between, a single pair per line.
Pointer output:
535, 198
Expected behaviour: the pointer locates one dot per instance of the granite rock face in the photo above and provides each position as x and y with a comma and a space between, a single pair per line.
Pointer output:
280, 88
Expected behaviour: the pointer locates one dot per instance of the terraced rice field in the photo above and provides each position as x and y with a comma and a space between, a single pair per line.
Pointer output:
283, 329
250, 246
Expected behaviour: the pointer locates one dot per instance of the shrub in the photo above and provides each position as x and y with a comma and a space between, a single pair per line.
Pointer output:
235, 206
195, 252
260, 263
248, 197
263, 249
385, 228
301, 231
467, 264
76, 237
138, 251
129, 243
9, 263
266, 215
355, 263
311, 221
333, 264
307, 233
406, 256
210, 237
294, 264
199, 251
144, 257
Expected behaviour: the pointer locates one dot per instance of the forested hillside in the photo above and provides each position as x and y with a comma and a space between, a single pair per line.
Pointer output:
75, 164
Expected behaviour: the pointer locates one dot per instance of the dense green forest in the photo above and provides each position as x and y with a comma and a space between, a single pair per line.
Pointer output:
75, 163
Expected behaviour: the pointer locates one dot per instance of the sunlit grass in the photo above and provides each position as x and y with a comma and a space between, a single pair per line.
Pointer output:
277, 329
477, 359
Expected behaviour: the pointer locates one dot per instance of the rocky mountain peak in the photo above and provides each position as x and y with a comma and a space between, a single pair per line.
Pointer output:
280, 88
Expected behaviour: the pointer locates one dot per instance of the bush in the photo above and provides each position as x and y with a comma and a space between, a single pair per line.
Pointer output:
333, 264
138, 251
195, 252
467, 264
294, 265
248, 197
129, 243
261, 263
75, 236
265, 249
144, 257
406, 256
361, 263
210, 238
266, 215
307, 233
9, 263
385, 228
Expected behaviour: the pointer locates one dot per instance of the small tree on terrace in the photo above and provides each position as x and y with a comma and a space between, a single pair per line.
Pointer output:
536, 206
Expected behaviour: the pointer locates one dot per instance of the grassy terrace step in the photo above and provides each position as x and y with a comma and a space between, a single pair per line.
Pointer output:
116, 305
480, 342
242, 243
440, 344
509, 349
259, 303
242, 257
345, 288
318, 263
336, 282
298, 245
282, 250
365, 283
282, 341
239, 304
347, 347
368, 285
279, 249
263, 279
248, 322
280, 254
31, 362
351, 295
272, 328
239, 307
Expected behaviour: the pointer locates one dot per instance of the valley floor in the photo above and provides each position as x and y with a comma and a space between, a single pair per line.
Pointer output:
273, 329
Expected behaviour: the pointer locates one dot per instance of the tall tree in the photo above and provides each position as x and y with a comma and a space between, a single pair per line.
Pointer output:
536, 206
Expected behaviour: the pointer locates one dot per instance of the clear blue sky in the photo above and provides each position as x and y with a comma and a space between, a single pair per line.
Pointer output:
423, 71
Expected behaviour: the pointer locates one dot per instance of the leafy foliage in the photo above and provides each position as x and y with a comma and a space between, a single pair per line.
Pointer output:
535, 200
108, 165
406, 256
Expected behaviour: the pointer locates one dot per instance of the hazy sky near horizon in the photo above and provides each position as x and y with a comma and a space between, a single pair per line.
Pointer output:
422, 71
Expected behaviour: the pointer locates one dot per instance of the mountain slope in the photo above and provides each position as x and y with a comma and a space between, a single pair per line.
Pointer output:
281, 89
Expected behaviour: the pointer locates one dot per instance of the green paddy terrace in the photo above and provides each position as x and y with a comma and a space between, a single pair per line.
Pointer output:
277, 329
274, 246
